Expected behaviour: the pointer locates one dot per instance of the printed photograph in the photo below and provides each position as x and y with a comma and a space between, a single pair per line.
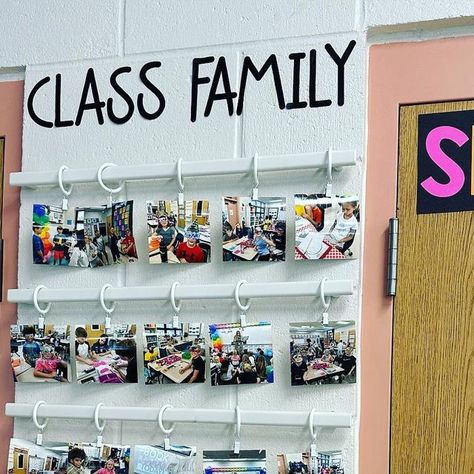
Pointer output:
174, 355
253, 230
106, 355
227, 462
329, 462
154, 459
326, 228
83, 237
241, 355
26, 457
40, 355
88, 458
323, 354
178, 234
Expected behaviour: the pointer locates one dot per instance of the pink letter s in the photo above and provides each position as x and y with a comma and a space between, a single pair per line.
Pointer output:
449, 166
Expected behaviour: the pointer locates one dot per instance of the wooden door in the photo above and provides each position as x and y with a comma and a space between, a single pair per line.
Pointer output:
432, 424
20, 461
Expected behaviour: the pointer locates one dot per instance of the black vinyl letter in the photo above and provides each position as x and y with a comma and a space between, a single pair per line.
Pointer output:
149, 85
97, 104
117, 88
196, 80
57, 107
296, 103
313, 102
30, 107
258, 75
340, 61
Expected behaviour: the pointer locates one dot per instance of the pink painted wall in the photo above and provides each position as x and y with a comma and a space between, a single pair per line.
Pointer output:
11, 119
401, 73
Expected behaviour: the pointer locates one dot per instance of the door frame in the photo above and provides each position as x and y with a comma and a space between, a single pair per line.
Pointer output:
398, 73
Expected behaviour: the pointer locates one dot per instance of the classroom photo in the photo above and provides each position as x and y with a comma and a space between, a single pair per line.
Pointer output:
88, 458
251, 461
83, 237
328, 462
174, 354
149, 459
326, 227
178, 234
241, 354
323, 354
106, 355
40, 355
253, 230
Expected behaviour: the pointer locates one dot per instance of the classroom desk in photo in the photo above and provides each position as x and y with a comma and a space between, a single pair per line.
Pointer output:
313, 374
170, 367
243, 253
155, 257
83, 376
25, 373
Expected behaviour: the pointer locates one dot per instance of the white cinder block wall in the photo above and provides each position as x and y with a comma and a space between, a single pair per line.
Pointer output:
51, 37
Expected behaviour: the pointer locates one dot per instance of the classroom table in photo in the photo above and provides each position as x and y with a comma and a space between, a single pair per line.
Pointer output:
170, 367
90, 373
314, 374
240, 250
25, 373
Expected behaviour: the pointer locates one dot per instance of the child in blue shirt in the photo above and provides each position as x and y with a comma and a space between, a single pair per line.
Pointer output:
31, 348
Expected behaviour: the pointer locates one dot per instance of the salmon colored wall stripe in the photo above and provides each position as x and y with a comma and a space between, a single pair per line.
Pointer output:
11, 119
401, 73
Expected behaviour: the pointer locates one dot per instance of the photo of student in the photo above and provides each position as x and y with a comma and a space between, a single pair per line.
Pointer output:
106, 355
88, 458
83, 237
253, 461
174, 354
40, 355
155, 459
178, 234
329, 462
26, 457
323, 354
241, 355
326, 227
253, 230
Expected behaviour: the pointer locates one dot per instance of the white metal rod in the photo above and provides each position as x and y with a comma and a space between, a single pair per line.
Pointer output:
182, 415
242, 165
185, 292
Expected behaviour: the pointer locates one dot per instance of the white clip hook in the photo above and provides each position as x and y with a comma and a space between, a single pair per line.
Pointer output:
40, 426
329, 174
237, 430
104, 186
325, 302
41, 311
176, 305
313, 451
255, 177
66, 192
165, 431
108, 310
179, 176
243, 307
100, 427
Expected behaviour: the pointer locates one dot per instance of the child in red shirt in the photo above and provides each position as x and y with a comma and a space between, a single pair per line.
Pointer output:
190, 251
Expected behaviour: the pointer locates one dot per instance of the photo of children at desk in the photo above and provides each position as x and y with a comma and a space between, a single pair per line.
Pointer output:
86, 237
174, 354
326, 227
178, 234
40, 355
106, 355
323, 354
88, 458
241, 355
253, 230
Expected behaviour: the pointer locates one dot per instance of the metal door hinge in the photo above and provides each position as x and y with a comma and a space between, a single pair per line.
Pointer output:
392, 260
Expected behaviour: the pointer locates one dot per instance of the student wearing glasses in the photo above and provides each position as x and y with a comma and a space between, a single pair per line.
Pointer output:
198, 365
262, 245
168, 236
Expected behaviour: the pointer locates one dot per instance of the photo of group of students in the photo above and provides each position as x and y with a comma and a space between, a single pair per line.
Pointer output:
26, 457
178, 234
323, 354
251, 461
174, 354
40, 355
149, 459
327, 462
253, 230
326, 227
106, 355
241, 354
87, 237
